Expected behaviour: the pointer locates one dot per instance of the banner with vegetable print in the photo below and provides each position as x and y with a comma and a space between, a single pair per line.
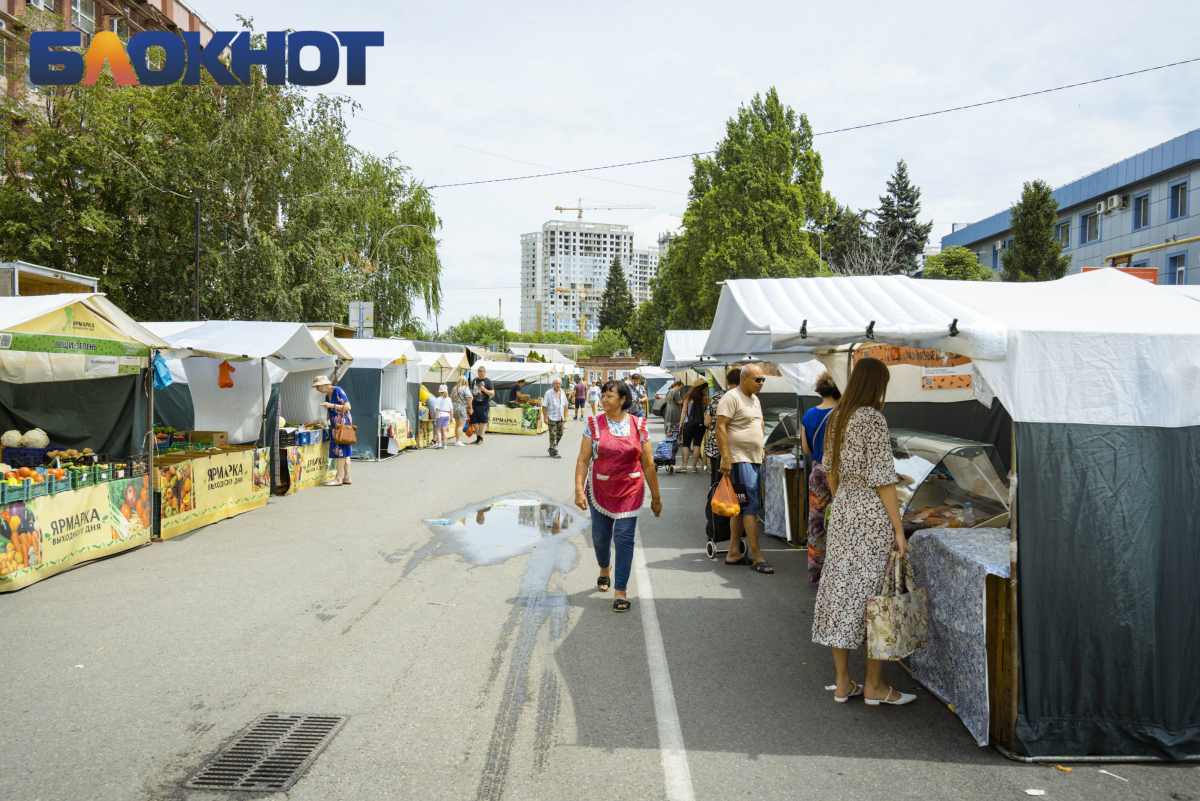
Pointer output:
308, 466
519, 420
211, 487
51, 533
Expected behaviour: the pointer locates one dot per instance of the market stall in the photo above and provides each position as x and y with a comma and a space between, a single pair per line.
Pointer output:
74, 406
236, 373
377, 385
1106, 603
525, 418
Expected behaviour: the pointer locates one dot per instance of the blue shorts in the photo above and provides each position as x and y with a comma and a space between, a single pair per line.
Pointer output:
479, 413
747, 480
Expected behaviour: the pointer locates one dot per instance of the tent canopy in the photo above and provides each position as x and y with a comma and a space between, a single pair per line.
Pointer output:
1089, 348
379, 353
682, 349
511, 372
246, 339
551, 355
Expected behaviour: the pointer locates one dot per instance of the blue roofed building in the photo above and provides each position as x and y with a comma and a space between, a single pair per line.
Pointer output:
1140, 212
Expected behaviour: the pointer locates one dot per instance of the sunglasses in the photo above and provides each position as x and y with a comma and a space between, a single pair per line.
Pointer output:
758, 380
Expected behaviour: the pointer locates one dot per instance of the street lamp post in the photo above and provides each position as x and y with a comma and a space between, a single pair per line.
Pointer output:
820, 245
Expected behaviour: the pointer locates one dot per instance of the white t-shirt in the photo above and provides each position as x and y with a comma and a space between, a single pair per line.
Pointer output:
442, 407
593, 395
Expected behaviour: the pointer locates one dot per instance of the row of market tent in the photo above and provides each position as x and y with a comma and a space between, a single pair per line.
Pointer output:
1087, 388
77, 368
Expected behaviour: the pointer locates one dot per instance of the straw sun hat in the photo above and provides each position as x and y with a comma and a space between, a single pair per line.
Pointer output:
322, 381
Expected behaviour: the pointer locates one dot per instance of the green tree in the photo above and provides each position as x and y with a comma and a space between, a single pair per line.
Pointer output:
551, 337
647, 329
616, 305
1035, 255
607, 342
295, 222
746, 208
957, 264
845, 233
479, 330
896, 219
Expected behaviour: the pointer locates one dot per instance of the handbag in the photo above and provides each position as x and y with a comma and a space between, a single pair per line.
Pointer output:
343, 433
897, 622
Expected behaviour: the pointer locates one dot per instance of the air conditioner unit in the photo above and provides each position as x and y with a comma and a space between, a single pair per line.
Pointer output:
1115, 202
1101, 207
999, 245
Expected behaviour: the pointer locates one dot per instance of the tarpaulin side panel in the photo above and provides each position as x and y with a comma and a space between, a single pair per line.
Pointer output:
1109, 551
173, 407
96, 413
362, 390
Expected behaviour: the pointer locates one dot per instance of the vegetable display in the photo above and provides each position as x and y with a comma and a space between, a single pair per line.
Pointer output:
21, 538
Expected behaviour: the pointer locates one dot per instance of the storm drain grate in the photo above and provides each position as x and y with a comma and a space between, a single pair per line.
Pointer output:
270, 755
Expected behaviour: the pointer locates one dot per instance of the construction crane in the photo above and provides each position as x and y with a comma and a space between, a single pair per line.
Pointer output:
604, 207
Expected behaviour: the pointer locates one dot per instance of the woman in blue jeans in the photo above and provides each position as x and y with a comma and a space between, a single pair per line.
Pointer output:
611, 474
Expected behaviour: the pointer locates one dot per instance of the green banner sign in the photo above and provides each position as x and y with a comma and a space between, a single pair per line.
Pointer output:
81, 346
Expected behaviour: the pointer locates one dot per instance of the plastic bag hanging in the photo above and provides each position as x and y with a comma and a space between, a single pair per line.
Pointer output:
725, 502
225, 377
162, 373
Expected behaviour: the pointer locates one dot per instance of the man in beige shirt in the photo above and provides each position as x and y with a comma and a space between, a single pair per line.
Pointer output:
740, 431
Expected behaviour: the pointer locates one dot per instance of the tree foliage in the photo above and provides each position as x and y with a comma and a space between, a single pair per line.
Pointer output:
846, 232
956, 264
647, 330
548, 337
479, 330
746, 208
295, 222
616, 305
896, 219
607, 342
1035, 255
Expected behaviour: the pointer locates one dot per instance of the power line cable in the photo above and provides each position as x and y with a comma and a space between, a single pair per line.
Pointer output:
825, 133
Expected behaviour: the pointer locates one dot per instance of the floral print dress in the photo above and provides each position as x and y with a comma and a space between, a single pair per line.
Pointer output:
338, 396
859, 535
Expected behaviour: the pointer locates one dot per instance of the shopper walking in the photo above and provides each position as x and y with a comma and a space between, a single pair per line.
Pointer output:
638, 392
732, 376
673, 411
691, 435
482, 392
611, 474
812, 440
580, 397
443, 412
554, 412
740, 433
593, 396
337, 407
462, 409
864, 527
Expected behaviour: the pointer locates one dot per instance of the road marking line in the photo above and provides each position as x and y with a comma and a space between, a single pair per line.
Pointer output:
670, 736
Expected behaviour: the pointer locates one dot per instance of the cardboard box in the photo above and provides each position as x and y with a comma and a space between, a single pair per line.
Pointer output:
217, 438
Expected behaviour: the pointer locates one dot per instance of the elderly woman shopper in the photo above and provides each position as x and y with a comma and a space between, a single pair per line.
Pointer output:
864, 527
611, 474
812, 440
337, 406
461, 400
673, 411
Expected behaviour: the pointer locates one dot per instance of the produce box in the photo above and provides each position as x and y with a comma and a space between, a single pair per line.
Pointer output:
102, 473
57, 485
81, 478
11, 494
26, 457
36, 488
211, 437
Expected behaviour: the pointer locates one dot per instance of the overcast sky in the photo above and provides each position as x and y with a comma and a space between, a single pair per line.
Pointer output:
570, 85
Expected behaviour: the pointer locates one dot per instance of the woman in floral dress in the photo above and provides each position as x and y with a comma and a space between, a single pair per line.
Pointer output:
461, 398
338, 407
864, 527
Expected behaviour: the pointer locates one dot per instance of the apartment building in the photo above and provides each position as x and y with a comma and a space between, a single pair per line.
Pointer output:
122, 17
1135, 213
564, 268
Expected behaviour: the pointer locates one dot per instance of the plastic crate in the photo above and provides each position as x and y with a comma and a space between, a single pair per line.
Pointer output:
287, 439
57, 485
12, 494
27, 457
36, 488
80, 478
139, 465
102, 473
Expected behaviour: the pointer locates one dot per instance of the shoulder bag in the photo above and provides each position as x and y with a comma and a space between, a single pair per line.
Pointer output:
343, 432
897, 622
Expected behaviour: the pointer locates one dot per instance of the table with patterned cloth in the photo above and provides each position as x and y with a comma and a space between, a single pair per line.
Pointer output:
775, 493
952, 564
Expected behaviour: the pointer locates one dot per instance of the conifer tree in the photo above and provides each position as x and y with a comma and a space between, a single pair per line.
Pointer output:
616, 305
897, 218
1035, 255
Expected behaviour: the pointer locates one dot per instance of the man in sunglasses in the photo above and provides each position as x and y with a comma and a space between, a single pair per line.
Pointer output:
740, 434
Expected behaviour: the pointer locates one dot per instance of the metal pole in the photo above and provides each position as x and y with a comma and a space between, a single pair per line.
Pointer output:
196, 263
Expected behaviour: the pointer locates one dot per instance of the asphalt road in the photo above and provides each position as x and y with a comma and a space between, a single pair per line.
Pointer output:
470, 669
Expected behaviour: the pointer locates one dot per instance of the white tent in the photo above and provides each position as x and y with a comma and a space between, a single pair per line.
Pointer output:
550, 355
380, 353
508, 372
441, 367
682, 349
1189, 291
249, 346
382, 385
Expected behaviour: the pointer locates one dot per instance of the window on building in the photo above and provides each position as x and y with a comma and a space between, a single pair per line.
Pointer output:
83, 16
44, 5
29, 84
1140, 265
1141, 211
1089, 228
1176, 269
1062, 233
1178, 197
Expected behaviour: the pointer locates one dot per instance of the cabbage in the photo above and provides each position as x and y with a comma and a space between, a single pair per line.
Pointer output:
11, 439
35, 438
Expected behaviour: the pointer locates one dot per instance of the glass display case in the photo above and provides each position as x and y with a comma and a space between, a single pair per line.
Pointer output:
941, 475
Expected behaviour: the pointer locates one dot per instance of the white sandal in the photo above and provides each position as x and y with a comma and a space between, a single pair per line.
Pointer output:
858, 690
905, 698
334, 483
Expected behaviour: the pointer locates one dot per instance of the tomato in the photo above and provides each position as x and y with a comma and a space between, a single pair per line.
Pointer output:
11, 474
38, 478
24, 472
125, 511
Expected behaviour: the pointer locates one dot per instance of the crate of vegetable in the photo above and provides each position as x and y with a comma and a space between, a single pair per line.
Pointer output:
102, 473
80, 476
57, 480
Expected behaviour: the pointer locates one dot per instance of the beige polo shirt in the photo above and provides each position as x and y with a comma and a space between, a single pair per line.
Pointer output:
744, 432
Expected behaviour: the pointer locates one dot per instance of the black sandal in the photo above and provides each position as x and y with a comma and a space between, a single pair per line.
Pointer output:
603, 583
621, 605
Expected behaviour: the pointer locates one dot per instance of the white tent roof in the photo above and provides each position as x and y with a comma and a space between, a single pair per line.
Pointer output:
650, 371
551, 355
1190, 291
1100, 347
17, 310
250, 339
682, 349
429, 361
514, 371
379, 353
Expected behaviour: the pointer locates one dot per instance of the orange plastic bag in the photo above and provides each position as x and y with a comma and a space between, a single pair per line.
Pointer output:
224, 379
724, 501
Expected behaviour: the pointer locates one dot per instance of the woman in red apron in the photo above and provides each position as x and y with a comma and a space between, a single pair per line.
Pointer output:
611, 474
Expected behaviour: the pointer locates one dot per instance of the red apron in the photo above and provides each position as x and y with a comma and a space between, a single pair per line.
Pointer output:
616, 483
